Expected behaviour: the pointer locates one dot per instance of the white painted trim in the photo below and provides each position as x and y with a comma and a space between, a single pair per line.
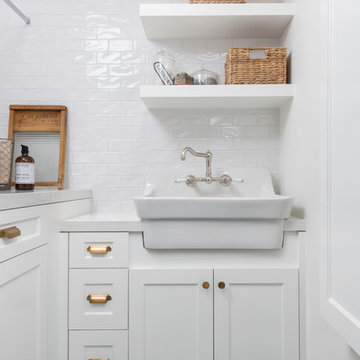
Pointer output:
342, 321
303, 298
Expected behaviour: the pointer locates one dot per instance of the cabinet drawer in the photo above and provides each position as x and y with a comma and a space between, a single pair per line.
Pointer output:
98, 250
98, 299
22, 232
104, 344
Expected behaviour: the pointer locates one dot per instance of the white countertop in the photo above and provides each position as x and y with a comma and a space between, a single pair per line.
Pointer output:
102, 222
40, 196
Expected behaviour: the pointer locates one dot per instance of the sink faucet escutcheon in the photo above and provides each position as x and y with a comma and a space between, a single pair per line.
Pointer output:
191, 180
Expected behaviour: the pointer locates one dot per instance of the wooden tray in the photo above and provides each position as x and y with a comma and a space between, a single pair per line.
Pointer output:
42, 118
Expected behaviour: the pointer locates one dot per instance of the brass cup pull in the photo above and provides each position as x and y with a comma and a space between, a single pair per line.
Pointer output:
98, 299
221, 285
205, 284
10, 232
99, 249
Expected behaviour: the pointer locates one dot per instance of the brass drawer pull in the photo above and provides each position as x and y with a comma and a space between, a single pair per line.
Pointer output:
10, 233
221, 285
98, 299
206, 285
99, 249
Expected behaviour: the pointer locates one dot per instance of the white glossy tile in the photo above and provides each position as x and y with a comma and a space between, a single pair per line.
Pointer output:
92, 56
96, 45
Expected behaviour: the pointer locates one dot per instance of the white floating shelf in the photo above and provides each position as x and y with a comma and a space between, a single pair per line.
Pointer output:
216, 96
207, 21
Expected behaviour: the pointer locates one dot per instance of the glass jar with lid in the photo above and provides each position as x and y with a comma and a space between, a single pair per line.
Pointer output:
167, 60
205, 77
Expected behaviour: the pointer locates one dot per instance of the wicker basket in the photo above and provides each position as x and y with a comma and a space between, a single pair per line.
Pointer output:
217, 1
243, 66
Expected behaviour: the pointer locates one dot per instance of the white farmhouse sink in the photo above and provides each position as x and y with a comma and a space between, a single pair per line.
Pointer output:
246, 215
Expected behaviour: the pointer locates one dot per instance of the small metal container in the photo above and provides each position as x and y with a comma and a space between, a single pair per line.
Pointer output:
6, 159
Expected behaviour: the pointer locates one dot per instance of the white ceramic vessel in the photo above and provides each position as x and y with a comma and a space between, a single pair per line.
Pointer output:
246, 215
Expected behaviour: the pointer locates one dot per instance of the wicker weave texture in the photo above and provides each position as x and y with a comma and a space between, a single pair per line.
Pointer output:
240, 68
217, 1
6, 153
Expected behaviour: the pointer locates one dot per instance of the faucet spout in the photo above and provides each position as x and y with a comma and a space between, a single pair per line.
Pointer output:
194, 153
207, 156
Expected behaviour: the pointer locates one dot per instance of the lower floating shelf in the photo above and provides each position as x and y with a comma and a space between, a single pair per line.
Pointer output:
216, 96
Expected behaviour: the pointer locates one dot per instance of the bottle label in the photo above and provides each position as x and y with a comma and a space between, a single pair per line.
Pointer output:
24, 173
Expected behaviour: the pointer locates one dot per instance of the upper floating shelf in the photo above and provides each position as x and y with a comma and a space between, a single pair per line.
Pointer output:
208, 21
216, 96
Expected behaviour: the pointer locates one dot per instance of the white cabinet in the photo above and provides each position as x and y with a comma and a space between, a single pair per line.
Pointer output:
172, 314
98, 296
256, 314
33, 274
23, 331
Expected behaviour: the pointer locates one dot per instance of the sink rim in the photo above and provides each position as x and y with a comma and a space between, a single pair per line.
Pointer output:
271, 207
216, 198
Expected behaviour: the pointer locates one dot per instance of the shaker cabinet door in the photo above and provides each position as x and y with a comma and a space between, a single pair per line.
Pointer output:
23, 306
256, 314
171, 314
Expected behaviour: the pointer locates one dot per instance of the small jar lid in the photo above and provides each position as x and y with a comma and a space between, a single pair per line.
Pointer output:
204, 71
164, 56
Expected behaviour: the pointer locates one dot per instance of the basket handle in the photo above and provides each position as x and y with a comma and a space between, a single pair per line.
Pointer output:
257, 54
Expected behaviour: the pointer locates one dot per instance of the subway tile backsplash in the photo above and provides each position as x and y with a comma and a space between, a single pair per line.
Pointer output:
92, 55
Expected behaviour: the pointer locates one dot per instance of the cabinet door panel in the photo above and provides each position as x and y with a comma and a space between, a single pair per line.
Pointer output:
256, 315
23, 306
171, 315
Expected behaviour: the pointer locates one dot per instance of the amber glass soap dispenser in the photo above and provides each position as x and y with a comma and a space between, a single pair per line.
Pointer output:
24, 170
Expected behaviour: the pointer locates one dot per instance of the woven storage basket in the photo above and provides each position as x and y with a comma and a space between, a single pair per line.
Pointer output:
217, 1
241, 68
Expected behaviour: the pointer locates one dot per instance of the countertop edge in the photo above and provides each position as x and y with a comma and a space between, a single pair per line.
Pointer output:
15, 200
129, 223
101, 226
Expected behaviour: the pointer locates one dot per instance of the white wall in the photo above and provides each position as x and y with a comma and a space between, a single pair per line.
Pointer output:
92, 55
301, 164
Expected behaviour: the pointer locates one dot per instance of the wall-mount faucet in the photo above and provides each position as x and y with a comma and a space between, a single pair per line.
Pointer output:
207, 156
191, 180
